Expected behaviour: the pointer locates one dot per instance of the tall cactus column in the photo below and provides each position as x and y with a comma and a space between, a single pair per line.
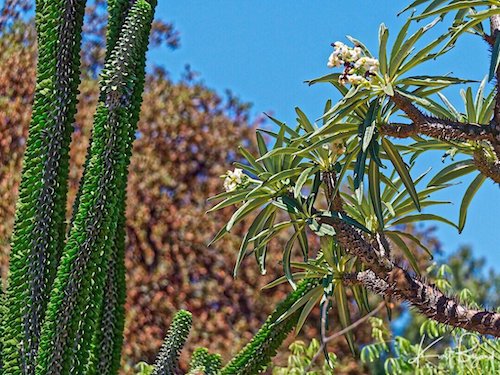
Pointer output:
39, 228
76, 299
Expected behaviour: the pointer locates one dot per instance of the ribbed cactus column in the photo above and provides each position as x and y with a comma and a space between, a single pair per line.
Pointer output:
76, 300
39, 228
168, 357
108, 335
256, 355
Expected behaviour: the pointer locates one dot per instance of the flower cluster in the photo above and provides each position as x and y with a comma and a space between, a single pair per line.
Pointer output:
357, 68
235, 179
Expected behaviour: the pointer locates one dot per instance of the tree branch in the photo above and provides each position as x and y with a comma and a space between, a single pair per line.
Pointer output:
442, 129
447, 130
487, 167
428, 299
386, 278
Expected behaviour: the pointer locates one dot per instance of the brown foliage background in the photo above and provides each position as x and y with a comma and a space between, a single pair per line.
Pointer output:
186, 139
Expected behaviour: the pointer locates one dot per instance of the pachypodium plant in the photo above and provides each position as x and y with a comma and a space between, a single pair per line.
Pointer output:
347, 183
343, 182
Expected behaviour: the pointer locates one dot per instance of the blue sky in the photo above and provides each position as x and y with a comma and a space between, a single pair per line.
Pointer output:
264, 50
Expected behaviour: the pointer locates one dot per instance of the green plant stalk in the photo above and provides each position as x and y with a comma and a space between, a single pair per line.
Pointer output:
108, 336
204, 362
76, 300
256, 355
117, 11
39, 228
168, 357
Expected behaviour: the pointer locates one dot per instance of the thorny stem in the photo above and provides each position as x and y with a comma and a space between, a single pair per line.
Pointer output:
428, 299
447, 130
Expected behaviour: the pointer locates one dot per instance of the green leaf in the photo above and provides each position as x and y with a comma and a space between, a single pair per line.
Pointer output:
236, 197
411, 237
261, 145
346, 219
254, 228
453, 171
251, 159
344, 313
368, 126
304, 121
345, 167
469, 194
311, 199
299, 303
302, 180
423, 55
402, 170
422, 217
260, 244
401, 244
403, 52
383, 35
374, 190
278, 151
289, 130
288, 204
321, 229
302, 237
430, 81
283, 175
272, 231
283, 279
453, 6
287, 255
330, 138
313, 302
244, 210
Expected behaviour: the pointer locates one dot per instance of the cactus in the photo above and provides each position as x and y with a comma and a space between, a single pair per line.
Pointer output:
168, 357
202, 362
39, 229
78, 288
256, 355
252, 359
63, 310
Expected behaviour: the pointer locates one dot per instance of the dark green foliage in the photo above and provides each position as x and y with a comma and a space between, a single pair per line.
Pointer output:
39, 229
256, 355
77, 297
202, 362
168, 357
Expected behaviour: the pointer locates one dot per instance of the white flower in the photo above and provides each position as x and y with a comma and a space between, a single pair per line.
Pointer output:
233, 179
334, 61
353, 54
367, 64
355, 79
